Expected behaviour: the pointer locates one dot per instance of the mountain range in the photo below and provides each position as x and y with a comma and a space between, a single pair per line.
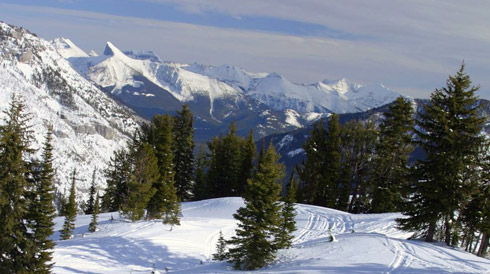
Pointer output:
95, 102
265, 102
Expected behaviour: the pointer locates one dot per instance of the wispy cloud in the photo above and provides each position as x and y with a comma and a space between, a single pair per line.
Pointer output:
409, 45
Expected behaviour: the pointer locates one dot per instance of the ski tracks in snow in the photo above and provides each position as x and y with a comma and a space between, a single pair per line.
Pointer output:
402, 257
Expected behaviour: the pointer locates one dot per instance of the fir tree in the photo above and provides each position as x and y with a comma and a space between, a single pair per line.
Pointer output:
70, 212
391, 159
144, 173
164, 203
201, 190
254, 245
15, 136
118, 174
288, 224
329, 189
248, 153
183, 149
220, 254
41, 210
449, 133
311, 169
91, 199
92, 227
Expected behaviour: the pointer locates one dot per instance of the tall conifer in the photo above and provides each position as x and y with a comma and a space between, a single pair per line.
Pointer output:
254, 245
183, 149
70, 212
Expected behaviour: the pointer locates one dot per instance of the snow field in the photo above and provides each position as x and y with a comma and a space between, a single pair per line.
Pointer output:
375, 246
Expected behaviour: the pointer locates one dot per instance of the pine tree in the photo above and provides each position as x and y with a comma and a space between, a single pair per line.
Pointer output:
449, 133
329, 189
164, 203
92, 227
15, 136
183, 149
201, 188
220, 254
254, 245
311, 169
248, 153
91, 199
71, 212
118, 174
391, 159
41, 210
288, 224
358, 142
144, 172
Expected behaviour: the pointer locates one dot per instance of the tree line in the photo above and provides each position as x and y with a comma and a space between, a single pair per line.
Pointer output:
361, 167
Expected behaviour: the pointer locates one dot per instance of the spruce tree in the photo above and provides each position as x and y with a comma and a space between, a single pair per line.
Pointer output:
254, 245
144, 172
248, 153
329, 187
41, 210
92, 227
391, 159
220, 254
15, 136
183, 149
311, 169
164, 203
448, 131
91, 198
70, 212
118, 173
288, 224
201, 189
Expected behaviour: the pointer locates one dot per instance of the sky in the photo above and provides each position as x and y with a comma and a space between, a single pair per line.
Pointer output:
409, 46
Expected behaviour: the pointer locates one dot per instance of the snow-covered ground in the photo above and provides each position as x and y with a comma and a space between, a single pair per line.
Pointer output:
364, 244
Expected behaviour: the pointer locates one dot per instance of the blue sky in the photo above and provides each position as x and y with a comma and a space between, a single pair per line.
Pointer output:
409, 46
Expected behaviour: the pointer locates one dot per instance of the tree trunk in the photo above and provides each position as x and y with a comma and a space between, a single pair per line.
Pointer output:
447, 230
430, 232
482, 251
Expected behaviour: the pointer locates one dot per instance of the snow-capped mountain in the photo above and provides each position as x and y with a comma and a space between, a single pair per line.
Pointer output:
266, 102
88, 125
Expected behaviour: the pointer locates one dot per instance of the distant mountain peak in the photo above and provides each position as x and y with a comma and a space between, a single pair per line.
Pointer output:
111, 50
67, 48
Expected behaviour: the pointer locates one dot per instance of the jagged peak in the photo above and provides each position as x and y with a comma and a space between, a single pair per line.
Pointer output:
111, 50
92, 53
67, 48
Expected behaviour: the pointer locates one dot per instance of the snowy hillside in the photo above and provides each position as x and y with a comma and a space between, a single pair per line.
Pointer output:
88, 125
364, 244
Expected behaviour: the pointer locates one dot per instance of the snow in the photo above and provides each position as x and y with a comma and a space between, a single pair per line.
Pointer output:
375, 246
67, 48
295, 152
86, 132
292, 118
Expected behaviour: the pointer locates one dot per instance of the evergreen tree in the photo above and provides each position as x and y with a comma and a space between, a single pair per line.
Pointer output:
449, 133
41, 210
118, 174
91, 199
183, 149
254, 245
391, 159
92, 227
248, 153
329, 187
311, 169
220, 254
144, 172
14, 143
201, 190
288, 224
71, 212
164, 203
358, 148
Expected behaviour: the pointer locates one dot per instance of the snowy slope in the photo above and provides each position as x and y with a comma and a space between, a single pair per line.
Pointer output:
88, 125
67, 48
375, 246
